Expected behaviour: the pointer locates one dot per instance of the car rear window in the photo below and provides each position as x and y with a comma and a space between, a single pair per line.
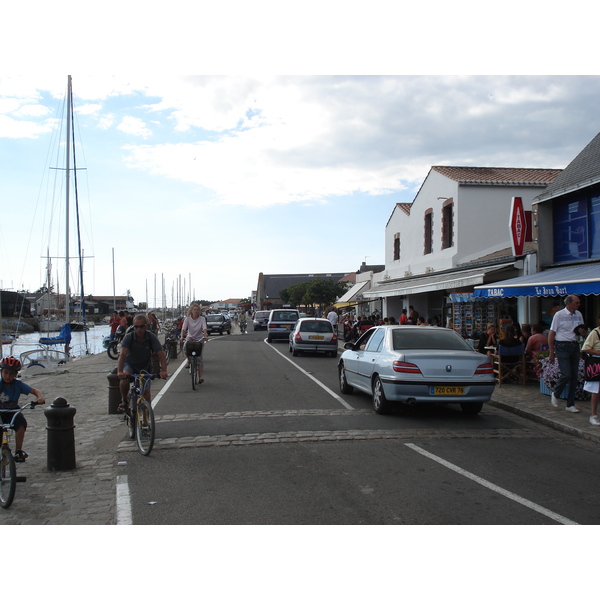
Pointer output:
284, 315
434, 338
214, 318
264, 314
316, 326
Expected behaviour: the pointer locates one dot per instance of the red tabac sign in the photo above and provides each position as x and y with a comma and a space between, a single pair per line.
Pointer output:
517, 226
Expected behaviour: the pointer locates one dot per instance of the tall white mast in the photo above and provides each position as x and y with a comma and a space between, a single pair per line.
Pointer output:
68, 173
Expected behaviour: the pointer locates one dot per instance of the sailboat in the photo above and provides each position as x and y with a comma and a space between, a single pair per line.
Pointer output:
48, 356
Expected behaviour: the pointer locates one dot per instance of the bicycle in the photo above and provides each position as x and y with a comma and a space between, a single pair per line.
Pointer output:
172, 345
193, 357
8, 465
114, 347
243, 326
139, 415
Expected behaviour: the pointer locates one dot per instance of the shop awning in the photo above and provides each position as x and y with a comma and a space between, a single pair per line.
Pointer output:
579, 280
450, 280
351, 294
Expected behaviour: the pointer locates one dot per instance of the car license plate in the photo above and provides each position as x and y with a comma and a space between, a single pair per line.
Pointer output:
447, 390
285, 326
316, 337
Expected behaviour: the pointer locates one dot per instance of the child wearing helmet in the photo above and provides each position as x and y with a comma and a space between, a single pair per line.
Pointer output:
11, 390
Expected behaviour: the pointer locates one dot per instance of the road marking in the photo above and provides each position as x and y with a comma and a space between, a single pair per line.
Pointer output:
167, 385
532, 505
332, 393
124, 515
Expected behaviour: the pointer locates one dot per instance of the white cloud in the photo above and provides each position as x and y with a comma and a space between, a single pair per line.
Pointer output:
13, 128
134, 126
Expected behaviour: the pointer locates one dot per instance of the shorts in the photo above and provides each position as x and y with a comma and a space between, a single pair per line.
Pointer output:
196, 347
145, 383
19, 419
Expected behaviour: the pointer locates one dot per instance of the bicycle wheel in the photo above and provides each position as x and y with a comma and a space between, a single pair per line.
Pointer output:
130, 416
145, 427
167, 352
8, 478
193, 371
113, 350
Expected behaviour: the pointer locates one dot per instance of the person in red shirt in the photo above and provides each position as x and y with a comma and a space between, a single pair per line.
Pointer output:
114, 323
403, 317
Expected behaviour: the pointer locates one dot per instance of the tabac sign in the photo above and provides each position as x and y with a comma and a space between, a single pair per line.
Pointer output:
517, 226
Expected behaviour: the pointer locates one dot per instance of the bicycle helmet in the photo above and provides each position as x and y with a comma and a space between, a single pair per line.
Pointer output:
10, 362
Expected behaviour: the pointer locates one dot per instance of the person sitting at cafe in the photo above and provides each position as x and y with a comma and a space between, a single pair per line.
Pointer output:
537, 339
488, 340
510, 340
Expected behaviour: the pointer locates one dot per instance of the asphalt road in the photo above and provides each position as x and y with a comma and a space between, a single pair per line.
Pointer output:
268, 439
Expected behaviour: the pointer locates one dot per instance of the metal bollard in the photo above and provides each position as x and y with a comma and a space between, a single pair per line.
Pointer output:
114, 393
61, 435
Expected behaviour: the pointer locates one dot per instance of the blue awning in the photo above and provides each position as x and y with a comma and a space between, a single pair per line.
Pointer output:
581, 280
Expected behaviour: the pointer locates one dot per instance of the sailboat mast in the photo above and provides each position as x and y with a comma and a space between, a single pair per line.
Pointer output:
68, 175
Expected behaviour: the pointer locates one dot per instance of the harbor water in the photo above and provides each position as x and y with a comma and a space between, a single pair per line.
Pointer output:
95, 337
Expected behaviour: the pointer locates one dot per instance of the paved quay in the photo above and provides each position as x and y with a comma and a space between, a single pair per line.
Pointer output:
87, 494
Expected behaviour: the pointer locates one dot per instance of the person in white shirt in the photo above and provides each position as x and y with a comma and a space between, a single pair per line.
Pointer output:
562, 340
333, 318
194, 332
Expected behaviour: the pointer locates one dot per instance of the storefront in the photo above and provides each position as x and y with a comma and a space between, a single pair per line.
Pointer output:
550, 287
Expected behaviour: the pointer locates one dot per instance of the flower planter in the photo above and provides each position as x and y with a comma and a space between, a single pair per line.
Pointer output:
544, 389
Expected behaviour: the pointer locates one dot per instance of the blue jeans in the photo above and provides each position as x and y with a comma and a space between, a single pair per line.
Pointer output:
568, 363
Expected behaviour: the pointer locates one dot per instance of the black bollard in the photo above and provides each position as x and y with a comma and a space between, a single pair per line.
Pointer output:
114, 393
61, 435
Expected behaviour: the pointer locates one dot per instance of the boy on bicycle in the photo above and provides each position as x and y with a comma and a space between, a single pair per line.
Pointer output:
11, 390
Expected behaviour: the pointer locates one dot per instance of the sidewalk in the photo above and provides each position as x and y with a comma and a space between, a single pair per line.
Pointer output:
527, 401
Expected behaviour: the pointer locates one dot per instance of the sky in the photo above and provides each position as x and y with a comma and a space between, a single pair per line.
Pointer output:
202, 181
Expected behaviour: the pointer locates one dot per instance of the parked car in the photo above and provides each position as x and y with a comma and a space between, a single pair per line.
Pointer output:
313, 335
261, 319
412, 365
218, 324
281, 322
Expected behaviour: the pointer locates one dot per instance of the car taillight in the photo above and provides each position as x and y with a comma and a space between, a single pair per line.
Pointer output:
486, 368
404, 367
334, 338
298, 337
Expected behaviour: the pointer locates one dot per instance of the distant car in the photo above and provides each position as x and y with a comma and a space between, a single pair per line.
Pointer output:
261, 319
313, 335
218, 324
413, 364
281, 322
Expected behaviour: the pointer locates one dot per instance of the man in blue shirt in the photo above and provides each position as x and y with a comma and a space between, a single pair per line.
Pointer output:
562, 340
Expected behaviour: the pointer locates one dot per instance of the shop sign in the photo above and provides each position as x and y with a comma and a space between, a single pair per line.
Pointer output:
517, 226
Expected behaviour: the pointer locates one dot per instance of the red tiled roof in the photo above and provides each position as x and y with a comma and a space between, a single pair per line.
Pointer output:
499, 175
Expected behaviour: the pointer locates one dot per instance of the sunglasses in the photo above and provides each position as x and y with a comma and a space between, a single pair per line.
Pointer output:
139, 326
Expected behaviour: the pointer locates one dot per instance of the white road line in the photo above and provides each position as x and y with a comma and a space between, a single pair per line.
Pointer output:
532, 505
332, 393
167, 385
124, 515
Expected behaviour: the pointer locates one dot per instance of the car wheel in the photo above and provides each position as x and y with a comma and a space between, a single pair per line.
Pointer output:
229, 332
471, 408
333, 354
294, 352
269, 339
344, 387
380, 404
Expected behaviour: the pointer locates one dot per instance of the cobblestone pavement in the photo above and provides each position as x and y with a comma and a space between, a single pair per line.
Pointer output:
87, 495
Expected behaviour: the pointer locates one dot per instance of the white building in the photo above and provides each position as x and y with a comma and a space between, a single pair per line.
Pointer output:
453, 236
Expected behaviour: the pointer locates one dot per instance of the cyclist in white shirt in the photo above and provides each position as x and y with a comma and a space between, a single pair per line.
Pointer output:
194, 332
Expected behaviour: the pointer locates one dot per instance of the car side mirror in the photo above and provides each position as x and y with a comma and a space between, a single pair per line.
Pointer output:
348, 346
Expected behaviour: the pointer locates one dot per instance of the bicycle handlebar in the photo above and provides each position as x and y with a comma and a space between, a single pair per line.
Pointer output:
16, 411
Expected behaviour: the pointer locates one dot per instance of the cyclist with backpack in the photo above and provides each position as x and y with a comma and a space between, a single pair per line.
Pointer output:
136, 356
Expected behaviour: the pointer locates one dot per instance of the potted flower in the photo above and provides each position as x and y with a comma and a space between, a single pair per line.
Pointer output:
549, 374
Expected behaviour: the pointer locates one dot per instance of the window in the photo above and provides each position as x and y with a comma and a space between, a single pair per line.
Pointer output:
576, 224
428, 231
448, 224
397, 246
376, 341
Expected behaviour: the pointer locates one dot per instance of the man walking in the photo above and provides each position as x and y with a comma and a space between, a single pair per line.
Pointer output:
562, 340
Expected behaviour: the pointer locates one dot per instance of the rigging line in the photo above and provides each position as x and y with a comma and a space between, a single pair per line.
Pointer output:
82, 301
59, 110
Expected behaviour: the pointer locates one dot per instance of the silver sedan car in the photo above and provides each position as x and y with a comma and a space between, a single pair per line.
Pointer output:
413, 364
313, 335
